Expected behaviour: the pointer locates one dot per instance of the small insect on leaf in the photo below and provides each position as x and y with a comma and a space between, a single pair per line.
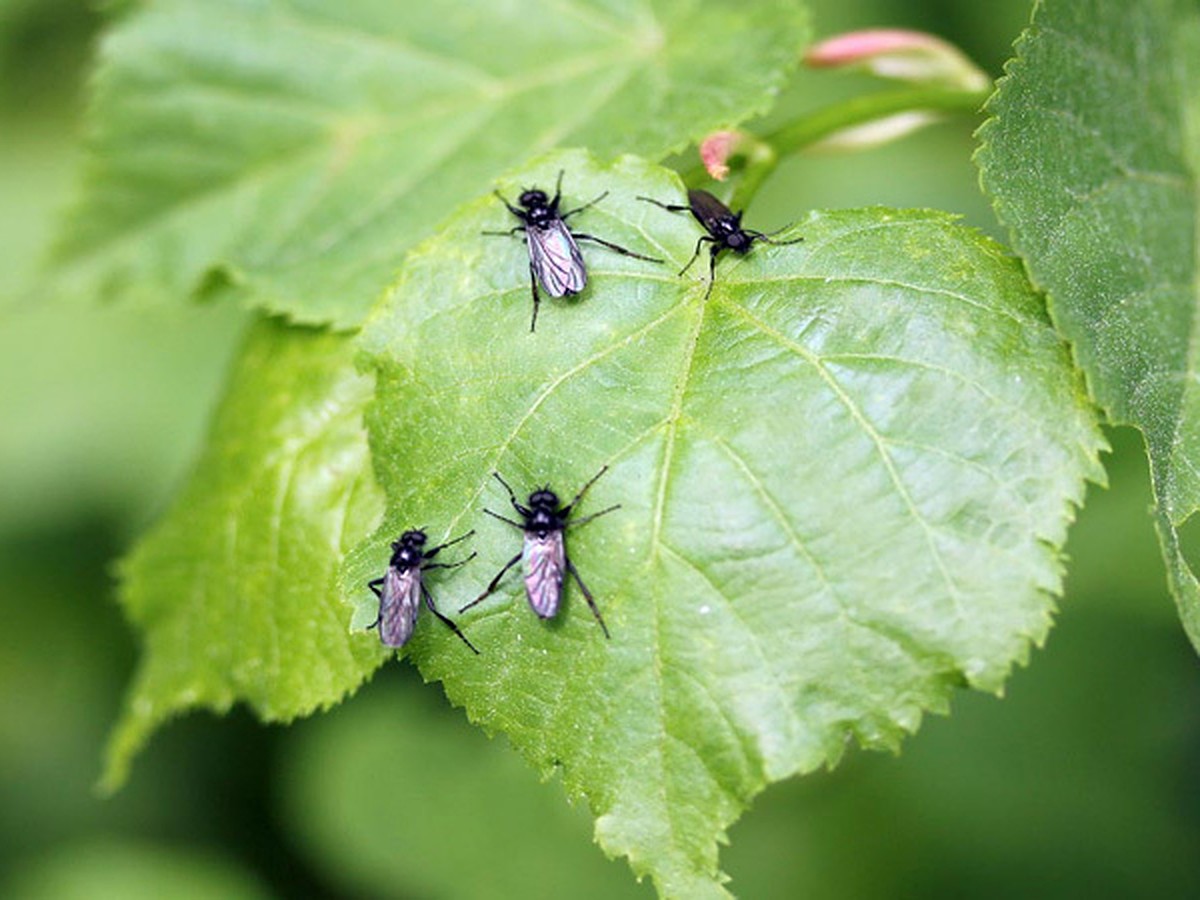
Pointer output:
724, 227
544, 523
402, 589
554, 257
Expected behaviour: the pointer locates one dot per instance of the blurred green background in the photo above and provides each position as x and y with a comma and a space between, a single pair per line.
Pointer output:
1084, 781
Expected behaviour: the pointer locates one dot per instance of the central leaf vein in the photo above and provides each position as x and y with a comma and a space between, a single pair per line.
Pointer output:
673, 417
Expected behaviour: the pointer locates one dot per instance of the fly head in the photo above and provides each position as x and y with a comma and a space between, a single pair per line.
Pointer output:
543, 499
534, 199
409, 550
737, 240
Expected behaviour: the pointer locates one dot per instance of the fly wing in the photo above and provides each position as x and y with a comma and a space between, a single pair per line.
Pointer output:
399, 603
708, 210
545, 566
556, 259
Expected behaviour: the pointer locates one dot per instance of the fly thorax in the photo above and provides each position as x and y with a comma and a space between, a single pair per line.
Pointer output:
405, 558
541, 522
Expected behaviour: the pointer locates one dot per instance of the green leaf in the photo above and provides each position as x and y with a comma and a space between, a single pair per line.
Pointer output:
95, 426
844, 481
356, 787
133, 870
1091, 156
296, 149
235, 590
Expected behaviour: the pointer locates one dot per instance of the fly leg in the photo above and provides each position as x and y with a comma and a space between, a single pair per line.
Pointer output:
512, 232
557, 190
766, 238
715, 249
449, 624
566, 510
519, 213
512, 498
579, 236
575, 523
587, 205
492, 586
453, 565
434, 552
504, 519
587, 595
374, 586
536, 298
700, 241
669, 207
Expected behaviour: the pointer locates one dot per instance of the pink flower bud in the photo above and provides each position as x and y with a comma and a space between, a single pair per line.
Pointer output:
900, 54
715, 151
872, 134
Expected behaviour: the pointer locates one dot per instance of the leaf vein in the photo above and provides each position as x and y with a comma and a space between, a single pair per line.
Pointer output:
1017, 410
847, 613
550, 388
753, 638
673, 417
857, 414
355, 37
889, 282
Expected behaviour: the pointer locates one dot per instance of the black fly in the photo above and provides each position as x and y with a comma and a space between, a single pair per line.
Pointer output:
544, 549
724, 227
402, 589
554, 257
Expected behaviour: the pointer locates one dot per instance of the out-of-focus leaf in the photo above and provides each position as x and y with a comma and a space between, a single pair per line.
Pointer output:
843, 479
131, 871
235, 591
103, 407
472, 819
1091, 156
300, 146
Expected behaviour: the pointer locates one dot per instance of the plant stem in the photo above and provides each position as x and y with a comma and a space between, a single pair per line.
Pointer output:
813, 127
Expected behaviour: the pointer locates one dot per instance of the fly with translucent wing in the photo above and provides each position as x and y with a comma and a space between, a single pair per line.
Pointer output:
554, 257
544, 549
402, 589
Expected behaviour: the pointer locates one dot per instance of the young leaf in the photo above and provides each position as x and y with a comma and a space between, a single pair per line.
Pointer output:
1092, 157
844, 482
235, 590
297, 149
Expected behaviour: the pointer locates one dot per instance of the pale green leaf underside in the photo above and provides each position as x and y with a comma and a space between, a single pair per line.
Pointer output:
843, 482
235, 590
300, 146
1092, 157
